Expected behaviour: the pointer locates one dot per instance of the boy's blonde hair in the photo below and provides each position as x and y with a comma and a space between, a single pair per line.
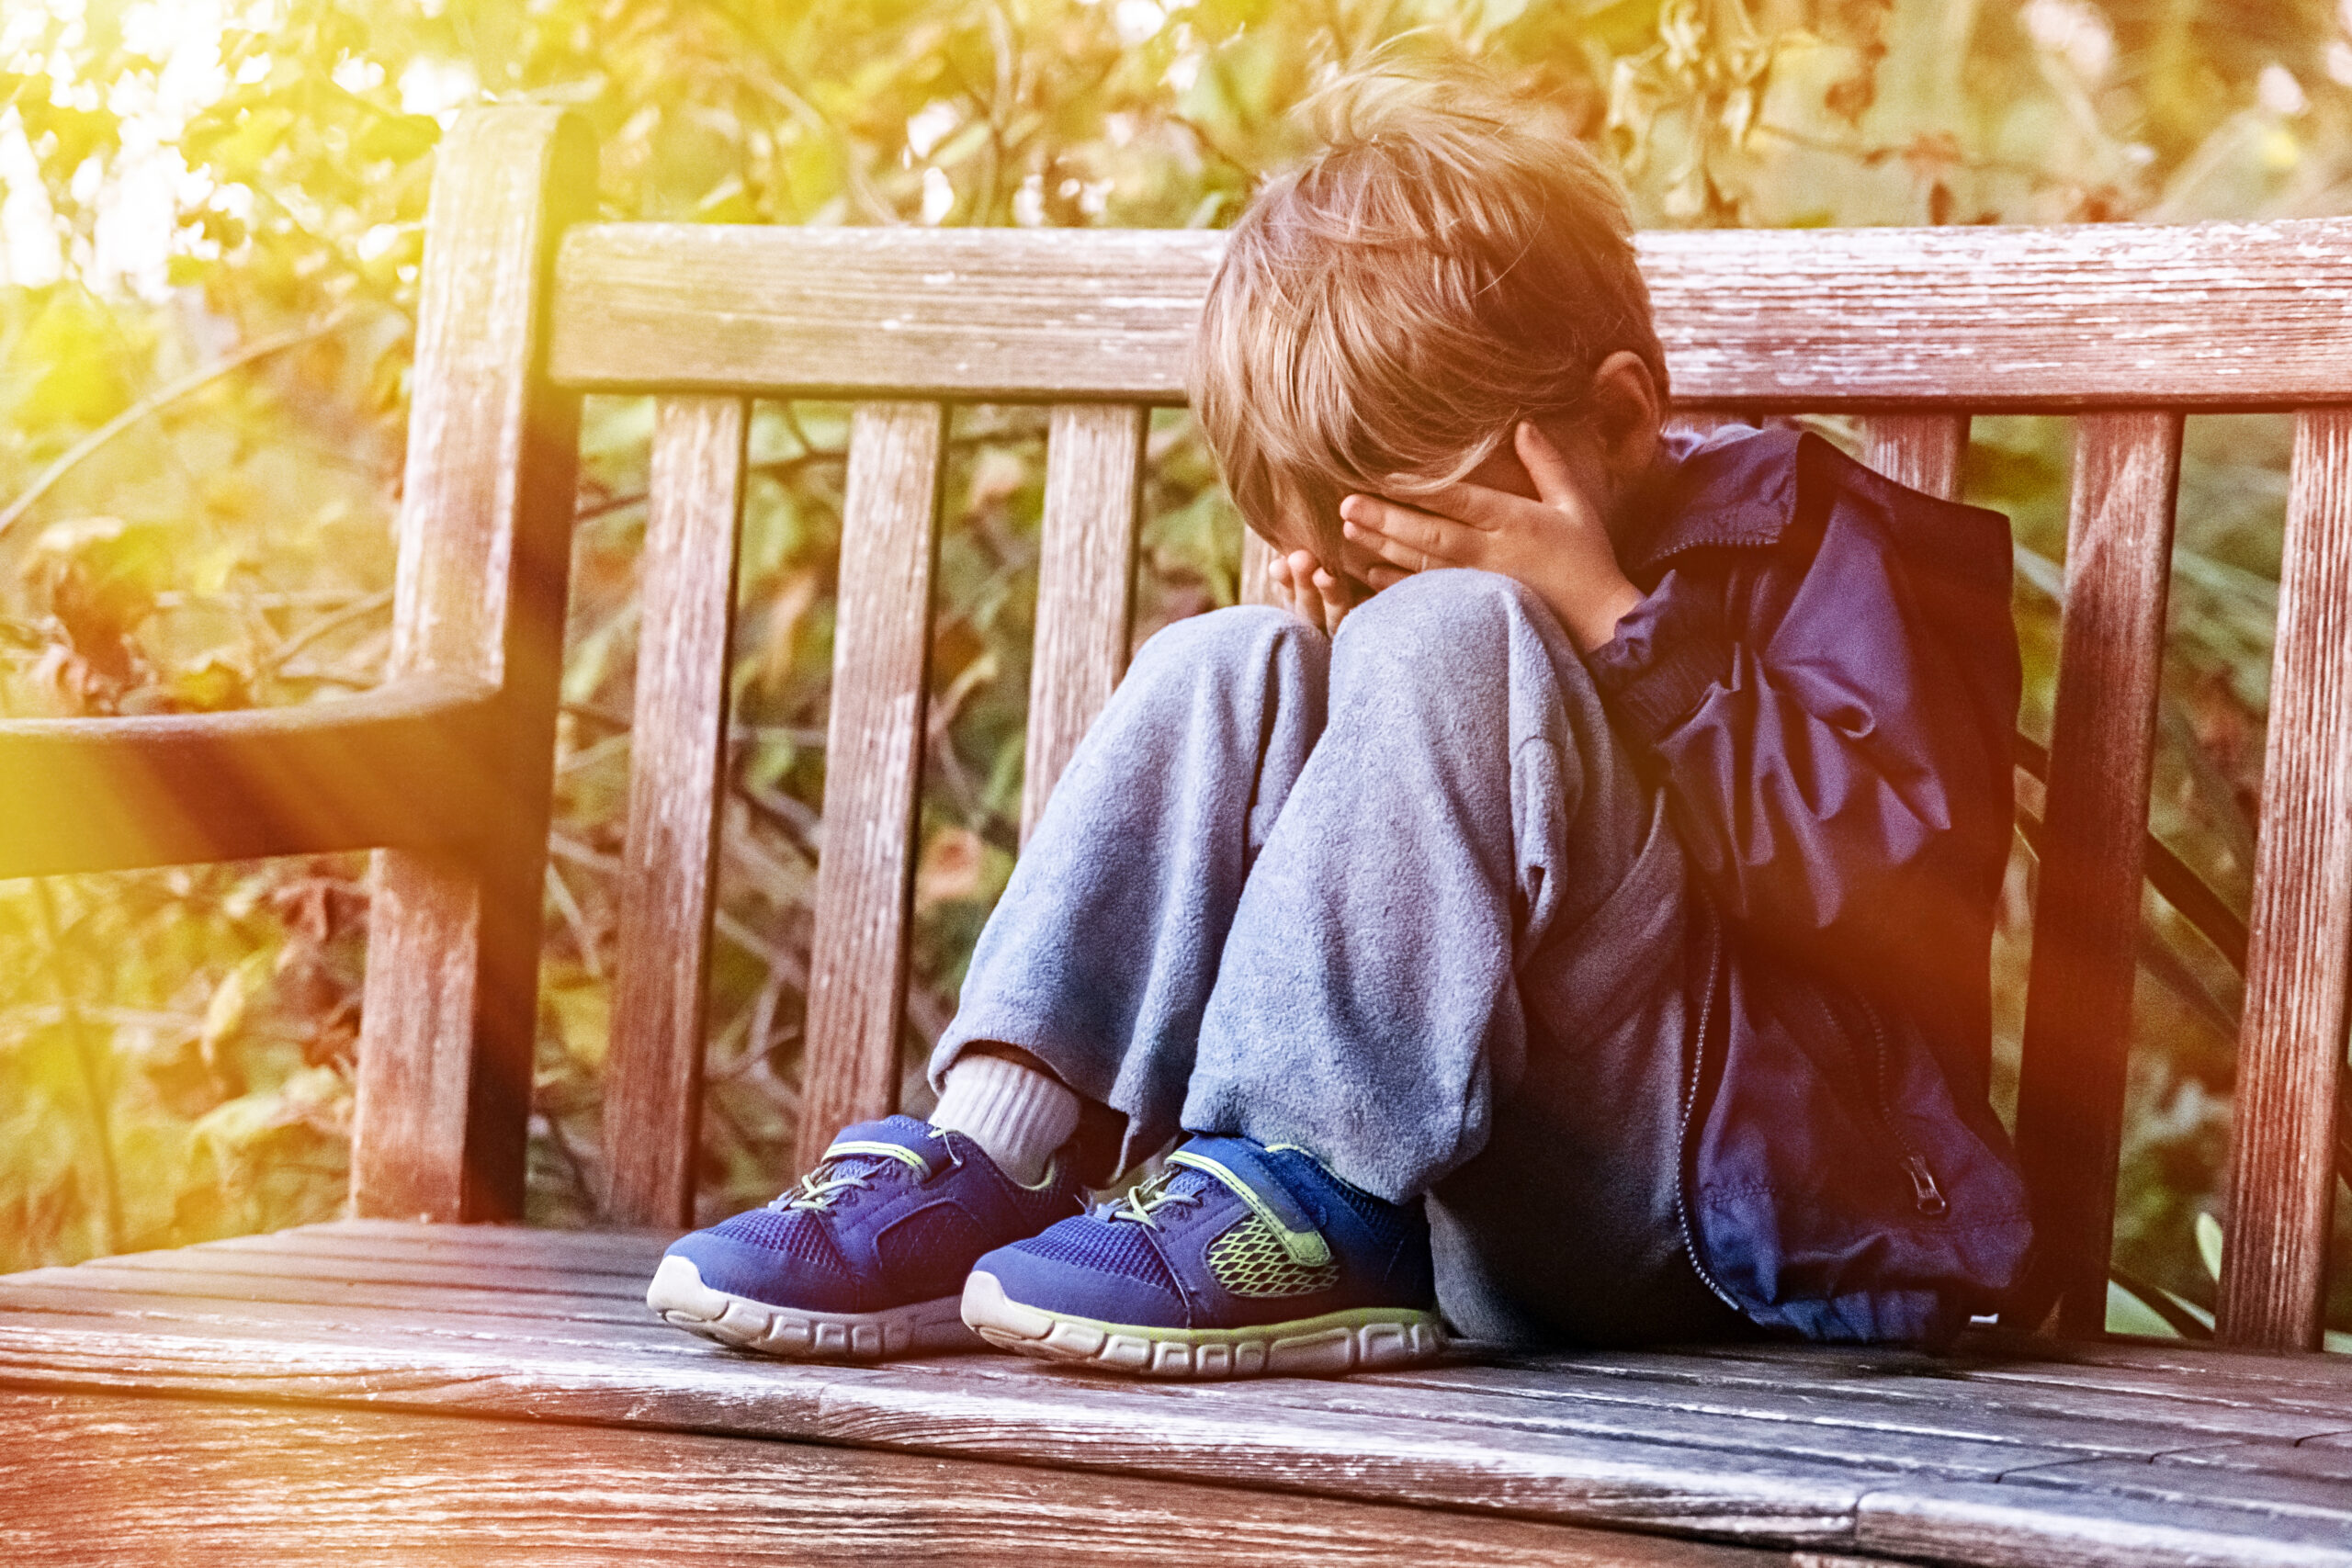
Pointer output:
1453, 261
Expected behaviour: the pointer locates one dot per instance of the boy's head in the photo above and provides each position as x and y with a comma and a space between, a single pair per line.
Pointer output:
1453, 261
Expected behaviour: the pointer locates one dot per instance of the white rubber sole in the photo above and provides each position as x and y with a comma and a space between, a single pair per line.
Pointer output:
678, 1293
1365, 1339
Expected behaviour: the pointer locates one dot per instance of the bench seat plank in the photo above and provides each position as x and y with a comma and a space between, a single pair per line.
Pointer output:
1987, 1398
2006, 1370
2190, 1363
1789, 1448
1953, 1404
2320, 1458
1854, 1441
514, 1276
2291, 1496
235, 1484
2013, 1526
172, 1314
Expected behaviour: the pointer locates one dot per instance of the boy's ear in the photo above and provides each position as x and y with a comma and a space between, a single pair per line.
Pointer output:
1627, 415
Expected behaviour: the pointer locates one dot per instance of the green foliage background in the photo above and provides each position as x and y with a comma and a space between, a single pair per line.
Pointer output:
175, 1047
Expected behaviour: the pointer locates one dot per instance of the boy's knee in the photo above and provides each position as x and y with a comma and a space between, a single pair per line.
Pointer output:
1441, 612
1232, 641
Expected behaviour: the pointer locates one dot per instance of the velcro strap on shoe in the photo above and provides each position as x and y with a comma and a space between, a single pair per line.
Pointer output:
1241, 1166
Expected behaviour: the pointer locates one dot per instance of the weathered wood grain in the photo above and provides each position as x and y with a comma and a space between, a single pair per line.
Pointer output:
1812, 1429
357, 773
2316, 1461
1922, 450
857, 970
2008, 1367
452, 986
183, 1482
1739, 1442
2182, 1369
412, 1283
1909, 1420
2086, 918
2290, 1046
1078, 1423
2171, 1355
1058, 1421
2112, 315
1801, 1427
589, 1251
677, 761
512, 1276
367, 1312
586, 1269
2009, 1526
44, 1291
1923, 1402
2306, 1496
1086, 571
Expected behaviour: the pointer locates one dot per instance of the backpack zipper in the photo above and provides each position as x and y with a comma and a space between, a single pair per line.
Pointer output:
1690, 1109
1926, 1196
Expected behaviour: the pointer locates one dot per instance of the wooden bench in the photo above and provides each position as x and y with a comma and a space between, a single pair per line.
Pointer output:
429, 1379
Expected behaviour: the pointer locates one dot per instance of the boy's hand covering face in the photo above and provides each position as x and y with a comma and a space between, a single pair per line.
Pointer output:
1556, 544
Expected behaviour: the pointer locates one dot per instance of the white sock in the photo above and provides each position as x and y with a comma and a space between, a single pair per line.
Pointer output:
1019, 1115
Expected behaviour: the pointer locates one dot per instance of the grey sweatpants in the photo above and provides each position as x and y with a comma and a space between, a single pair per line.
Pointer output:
1396, 898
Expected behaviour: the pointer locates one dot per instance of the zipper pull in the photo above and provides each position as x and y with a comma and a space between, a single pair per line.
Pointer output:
1923, 1185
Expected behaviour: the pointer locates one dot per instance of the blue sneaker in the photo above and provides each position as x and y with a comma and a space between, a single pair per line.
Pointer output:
867, 1257
1241, 1260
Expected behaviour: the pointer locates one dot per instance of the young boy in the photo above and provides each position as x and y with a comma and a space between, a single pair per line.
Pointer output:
1588, 941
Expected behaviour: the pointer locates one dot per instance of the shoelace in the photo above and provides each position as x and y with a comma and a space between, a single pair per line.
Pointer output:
1155, 1193
819, 1187
829, 1181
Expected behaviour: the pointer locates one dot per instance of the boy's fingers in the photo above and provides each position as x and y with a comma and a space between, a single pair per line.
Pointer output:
1300, 577
1302, 568
1556, 482
1402, 535
1464, 504
1395, 552
1278, 573
1334, 597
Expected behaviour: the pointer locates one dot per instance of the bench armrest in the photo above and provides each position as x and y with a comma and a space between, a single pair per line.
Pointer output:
411, 764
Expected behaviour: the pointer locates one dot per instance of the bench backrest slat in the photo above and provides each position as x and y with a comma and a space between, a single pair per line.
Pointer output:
1086, 571
857, 970
1922, 450
967, 313
2291, 1048
677, 759
2223, 315
2086, 916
